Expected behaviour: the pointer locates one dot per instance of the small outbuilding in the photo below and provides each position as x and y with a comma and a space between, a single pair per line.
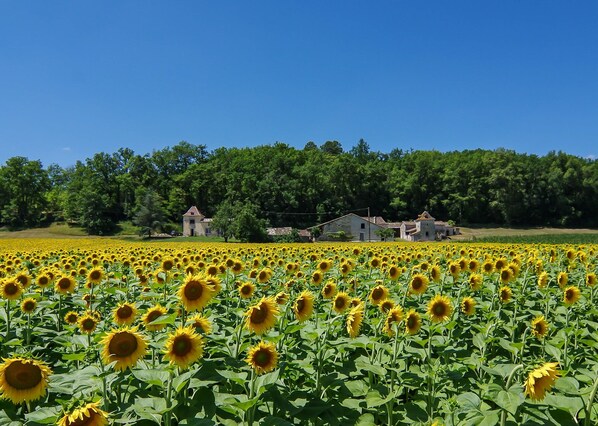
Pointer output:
196, 224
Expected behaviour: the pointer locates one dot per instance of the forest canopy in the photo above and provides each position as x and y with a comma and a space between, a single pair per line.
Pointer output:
302, 187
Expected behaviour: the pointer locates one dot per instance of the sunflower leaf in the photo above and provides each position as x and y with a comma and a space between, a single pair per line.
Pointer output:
510, 400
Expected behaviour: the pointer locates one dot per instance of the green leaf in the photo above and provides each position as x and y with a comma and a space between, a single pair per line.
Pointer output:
510, 400
365, 420
74, 357
152, 377
468, 401
44, 416
374, 399
164, 319
567, 385
483, 418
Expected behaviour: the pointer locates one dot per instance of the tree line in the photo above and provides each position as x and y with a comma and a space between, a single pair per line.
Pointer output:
286, 186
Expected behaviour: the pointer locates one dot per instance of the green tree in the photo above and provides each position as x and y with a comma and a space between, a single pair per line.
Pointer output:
249, 227
386, 234
24, 184
150, 213
224, 219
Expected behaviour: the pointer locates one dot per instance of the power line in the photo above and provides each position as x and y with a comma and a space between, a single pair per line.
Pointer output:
315, 213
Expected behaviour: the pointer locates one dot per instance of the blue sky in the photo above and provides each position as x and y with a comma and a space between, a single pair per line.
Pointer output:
80, 77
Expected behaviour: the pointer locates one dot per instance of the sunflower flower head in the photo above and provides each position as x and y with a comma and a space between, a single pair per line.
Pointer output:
88, 414
394, 317
539, 327
263, 357
418, 284
354, 320
341, 302
152, 315
246, 290
571, 295
468, 305
23, 380
183, 347
413, 322
195, 292
201, 324
304, 306
124, 347
541, 380
505, 294
440, 308
124, 314
261, 317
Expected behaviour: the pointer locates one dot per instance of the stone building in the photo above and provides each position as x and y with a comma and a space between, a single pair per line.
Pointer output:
196, 224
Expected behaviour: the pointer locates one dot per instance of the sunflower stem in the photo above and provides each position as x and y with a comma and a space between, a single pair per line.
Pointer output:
503, 415
167, 415
588, 420
59, 313
565, 350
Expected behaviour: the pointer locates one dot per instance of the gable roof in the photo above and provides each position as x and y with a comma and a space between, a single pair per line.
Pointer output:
193, 212
425, 216
350, 214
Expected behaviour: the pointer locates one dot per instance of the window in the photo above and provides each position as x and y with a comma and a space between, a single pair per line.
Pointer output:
191, 221
363, 226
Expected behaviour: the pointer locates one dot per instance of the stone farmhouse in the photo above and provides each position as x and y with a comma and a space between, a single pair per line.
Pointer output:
196, 224
426, 228
358, 228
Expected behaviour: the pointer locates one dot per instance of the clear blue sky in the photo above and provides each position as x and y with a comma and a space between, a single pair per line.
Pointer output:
80, 77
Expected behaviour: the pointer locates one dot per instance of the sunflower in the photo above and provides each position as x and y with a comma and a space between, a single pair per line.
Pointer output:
124, 346
505, 294
341, 302
488, 267
413, 322
65, 284
87, 323
540, 380
281, 298
264, 275
317, 277
11, 290
435, 273
199, 322
440, 308
325, 265
262, 357
394, 272
506, 275
195, 292
23, 380
500, 264
418, 284
153, 314
571, 295
246, 290
394, 316
386, 305
28, 305
542, 279
454, 269
43, 280
24, 279
183, 347
124, 314
378, 294
89, 415
562, 279
354, 319
168, 264
71, 317
261, 317
539, 326
329, 290
95, 276
304, 306
468, 305
591, 279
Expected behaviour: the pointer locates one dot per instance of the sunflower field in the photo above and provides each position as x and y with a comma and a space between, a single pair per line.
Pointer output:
97, 332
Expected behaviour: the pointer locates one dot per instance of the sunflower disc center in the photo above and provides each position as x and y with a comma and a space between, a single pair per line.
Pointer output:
123, 344
22, 376
181, 346
262, 358
193, 290
259, 314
